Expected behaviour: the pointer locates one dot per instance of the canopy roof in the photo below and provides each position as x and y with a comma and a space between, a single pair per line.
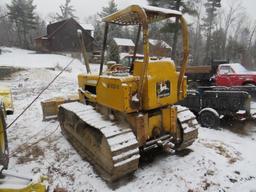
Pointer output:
133, 15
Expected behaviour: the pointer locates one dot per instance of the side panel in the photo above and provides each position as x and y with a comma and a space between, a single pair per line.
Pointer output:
87, 87
161, 84
154, 125
139, 124
117, 93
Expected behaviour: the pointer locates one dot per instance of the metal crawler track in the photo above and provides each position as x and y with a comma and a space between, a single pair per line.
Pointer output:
113, 151
189, 127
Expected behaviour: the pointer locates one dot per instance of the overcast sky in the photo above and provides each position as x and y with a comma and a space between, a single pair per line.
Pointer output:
85, 8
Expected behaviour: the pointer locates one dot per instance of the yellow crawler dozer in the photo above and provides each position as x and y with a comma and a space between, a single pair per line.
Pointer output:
132, 109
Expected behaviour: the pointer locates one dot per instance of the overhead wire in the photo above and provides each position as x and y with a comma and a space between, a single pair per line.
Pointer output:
34, 100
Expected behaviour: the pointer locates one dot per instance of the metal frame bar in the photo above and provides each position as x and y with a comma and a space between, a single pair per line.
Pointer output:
135, 48
185, 39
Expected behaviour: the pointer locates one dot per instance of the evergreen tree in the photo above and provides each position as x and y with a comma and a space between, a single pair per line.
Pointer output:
39, 30
7, 32
113, 53
114, 30
67, 11
98, 34
211, 13
111, 8
21, 13
186, 7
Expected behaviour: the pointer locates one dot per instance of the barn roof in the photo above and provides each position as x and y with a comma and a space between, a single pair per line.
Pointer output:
88, 27
124, 42
163, 44
57, 26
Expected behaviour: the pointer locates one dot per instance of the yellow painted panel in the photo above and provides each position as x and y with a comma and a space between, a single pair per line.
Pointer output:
2, 131
50, 107
154, 122
116, 92
38, 184
6, 97
39, 187
169, 119
87, 80
166, 114
161, 84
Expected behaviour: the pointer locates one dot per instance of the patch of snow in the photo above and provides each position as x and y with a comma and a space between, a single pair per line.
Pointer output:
161, 10
162, 43
87, 26
220, 160
135, 98
124, 42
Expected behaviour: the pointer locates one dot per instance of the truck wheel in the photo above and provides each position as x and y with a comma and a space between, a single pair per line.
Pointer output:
250, 84
193, 85
209, 118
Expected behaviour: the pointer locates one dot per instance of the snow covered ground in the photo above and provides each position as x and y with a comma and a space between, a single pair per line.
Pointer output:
220, 160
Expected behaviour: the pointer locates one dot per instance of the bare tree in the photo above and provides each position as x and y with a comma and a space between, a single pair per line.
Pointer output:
235, 11
251, 36
197, 40
22, 15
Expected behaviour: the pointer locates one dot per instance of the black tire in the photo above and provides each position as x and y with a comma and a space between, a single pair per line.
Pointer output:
209, 118
193, 85
249, 84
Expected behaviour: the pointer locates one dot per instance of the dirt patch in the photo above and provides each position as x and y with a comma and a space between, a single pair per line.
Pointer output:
222, 149
53, 170
28, 153
6, 72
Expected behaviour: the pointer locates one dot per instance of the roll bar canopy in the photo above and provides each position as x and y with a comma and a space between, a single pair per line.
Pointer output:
135, 15
143, 16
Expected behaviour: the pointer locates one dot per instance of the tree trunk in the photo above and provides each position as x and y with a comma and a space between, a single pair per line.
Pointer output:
18, 33
209, 39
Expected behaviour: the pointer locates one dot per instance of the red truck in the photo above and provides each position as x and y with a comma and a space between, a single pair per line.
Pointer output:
234, 74
222, 75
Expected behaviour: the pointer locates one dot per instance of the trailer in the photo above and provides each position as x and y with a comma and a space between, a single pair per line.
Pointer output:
212, 104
